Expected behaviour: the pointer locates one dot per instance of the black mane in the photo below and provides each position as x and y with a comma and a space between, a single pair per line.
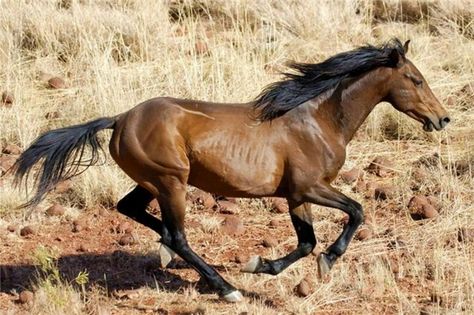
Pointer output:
310, 80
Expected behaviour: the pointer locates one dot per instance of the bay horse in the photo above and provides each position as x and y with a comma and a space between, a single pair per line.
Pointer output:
290, 142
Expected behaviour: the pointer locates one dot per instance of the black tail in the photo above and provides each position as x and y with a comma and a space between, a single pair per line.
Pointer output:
60, 153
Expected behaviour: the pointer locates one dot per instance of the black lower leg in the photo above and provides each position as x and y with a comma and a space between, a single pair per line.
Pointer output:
302, 222
134, 205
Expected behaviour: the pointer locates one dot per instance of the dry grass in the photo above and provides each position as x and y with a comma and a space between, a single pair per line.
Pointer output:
114, 54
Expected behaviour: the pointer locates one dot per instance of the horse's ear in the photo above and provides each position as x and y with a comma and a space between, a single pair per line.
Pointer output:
405, 46
396, 58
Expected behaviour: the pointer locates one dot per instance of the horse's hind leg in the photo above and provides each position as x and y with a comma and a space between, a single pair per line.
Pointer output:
134, 205
302, 222
173, 205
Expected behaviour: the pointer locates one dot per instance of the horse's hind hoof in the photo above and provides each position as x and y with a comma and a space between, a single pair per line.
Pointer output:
233, 297
324, 266
253, 264
166, 255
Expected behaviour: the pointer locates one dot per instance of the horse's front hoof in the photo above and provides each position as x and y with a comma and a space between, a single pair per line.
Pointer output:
324, 266
166, 255
233, 297
253, 265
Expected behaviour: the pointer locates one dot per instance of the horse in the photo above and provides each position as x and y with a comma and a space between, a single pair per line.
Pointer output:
288, 142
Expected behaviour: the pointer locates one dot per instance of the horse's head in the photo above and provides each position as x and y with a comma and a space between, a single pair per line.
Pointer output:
409, 93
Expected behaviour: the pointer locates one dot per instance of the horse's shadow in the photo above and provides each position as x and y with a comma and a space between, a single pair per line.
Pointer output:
115, 271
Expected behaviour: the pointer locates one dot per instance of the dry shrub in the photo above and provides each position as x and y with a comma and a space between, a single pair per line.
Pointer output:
409, 11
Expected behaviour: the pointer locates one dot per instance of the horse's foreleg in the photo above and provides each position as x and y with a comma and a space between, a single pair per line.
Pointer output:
173, 205
330, 197
303, 224
134, 206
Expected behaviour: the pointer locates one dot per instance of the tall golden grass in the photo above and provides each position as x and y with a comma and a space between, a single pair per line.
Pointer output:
115, 54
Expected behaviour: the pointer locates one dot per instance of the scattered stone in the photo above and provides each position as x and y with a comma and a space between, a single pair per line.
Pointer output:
240, 258
124, 227
232, 225
127, 239
380, 166
203, 198
303, 289
56, 210
201, 48
278, 205
52, 115
420, 208
7, 99
83, 248
26, 297
11, 149
11, 228
274, 223
56, 83
269, 242
27, 230
78, 225
466, 235
352, 175
384, 192
228, 207
364, 234
63, 186
434, 202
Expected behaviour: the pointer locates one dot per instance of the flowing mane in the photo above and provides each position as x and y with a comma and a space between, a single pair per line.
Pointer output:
307, 81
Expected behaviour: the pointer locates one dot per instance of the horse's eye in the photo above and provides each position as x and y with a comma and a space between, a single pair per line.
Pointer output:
417, 82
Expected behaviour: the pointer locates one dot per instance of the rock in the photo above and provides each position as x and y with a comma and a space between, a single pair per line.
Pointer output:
269, 242
352, 175
127, 239
11, 149
380, 166
27, 230
56, 210
26, 297
466, 235
240, 258
124, 227
52, 115
78, 225
384, 192
57, 83
364, 234
63, 186
203, 199
303, 289
201, 47
274, 223
232, 225
420, 208
278, 205
11, 228
6, 100
228, 207
434, 202
83, 248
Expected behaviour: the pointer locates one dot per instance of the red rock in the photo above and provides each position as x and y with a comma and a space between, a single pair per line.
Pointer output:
27, 230
83, 248
274, 223
7, 99
269, 242
203, 198
420, 208
278, 205
303, 289
56, 210
232, 225
11, 149
434, 202
228, 207
52, 115
380, 166
364, 234
26, 297
384, 192
57, 83
78, 225
11, 228
124, 227
352, 175
127, 239
201, 47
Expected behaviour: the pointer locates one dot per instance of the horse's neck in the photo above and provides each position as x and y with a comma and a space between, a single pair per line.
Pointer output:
353, 102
